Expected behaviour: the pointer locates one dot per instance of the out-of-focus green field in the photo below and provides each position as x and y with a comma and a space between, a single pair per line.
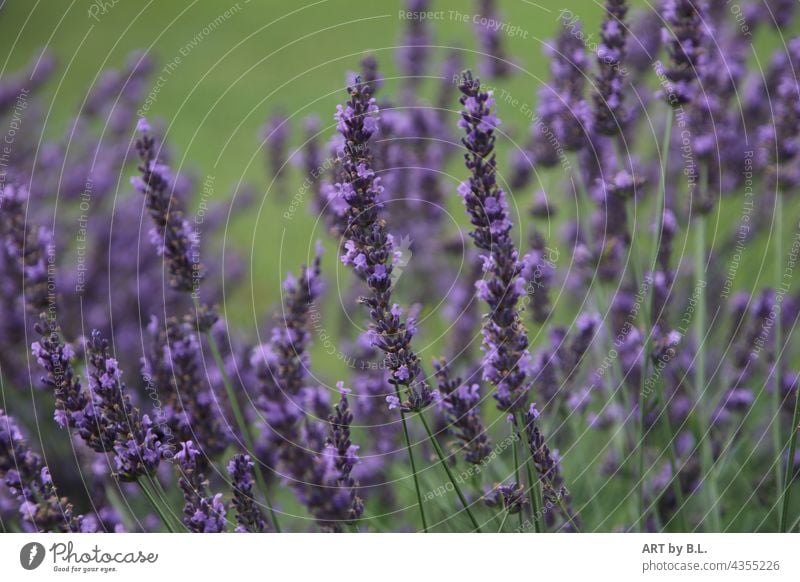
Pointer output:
292, 56
259, 58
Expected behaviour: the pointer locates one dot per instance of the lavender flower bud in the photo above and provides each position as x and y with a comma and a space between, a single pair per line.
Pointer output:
110, 422
172, 234
248, 514
461, 404
505, 340
683, 36
202, 512
510, 497
55, 358
370, 249
609, 96
28, 479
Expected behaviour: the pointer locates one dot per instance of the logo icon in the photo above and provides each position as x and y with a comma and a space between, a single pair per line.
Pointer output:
31, 555
402, 255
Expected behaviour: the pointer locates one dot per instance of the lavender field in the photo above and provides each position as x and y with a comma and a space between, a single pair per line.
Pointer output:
411, 266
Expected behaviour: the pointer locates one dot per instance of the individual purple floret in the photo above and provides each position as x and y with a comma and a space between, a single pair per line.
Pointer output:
683, 36
248, 514
202, 511
505, 344
609, 115
28, 479
173, 236
111, 423
461, 405
370, 249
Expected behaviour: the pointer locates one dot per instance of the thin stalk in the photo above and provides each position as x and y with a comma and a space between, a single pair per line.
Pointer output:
674, 480
503, 522
660, 202
795, 524
568, 515
514, 440
121, 507
704, 436
157, 507
242, 424
786, 494
413, 465
443, 462
533, 489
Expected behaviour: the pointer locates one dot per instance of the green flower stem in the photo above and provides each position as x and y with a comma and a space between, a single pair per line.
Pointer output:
514, 440
443, 462
701, 413
156, 506
660, 201
413, 465
786, 494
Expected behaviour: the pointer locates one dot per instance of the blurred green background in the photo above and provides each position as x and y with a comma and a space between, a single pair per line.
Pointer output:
261, 58
289, 56
286, 56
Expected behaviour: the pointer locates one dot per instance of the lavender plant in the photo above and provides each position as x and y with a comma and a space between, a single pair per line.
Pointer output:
666, 388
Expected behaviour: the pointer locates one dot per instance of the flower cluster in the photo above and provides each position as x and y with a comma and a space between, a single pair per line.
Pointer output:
370, 249
461, 405
172, 235
609, 97
203, 512
28, 479
505, 340
249, 516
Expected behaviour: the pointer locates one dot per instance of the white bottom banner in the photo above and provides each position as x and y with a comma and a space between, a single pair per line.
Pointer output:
356, 557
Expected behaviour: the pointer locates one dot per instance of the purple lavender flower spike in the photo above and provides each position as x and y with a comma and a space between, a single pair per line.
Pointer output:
412, 57
547, 465
370, 249
506, 357
683, 37
55, 358
495, 62
566, 107
202, 511
609, 96
111, 423
343, 451
248, 514
175, 367
31, 248
172, 234
28, 479
275, 134
461, 404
